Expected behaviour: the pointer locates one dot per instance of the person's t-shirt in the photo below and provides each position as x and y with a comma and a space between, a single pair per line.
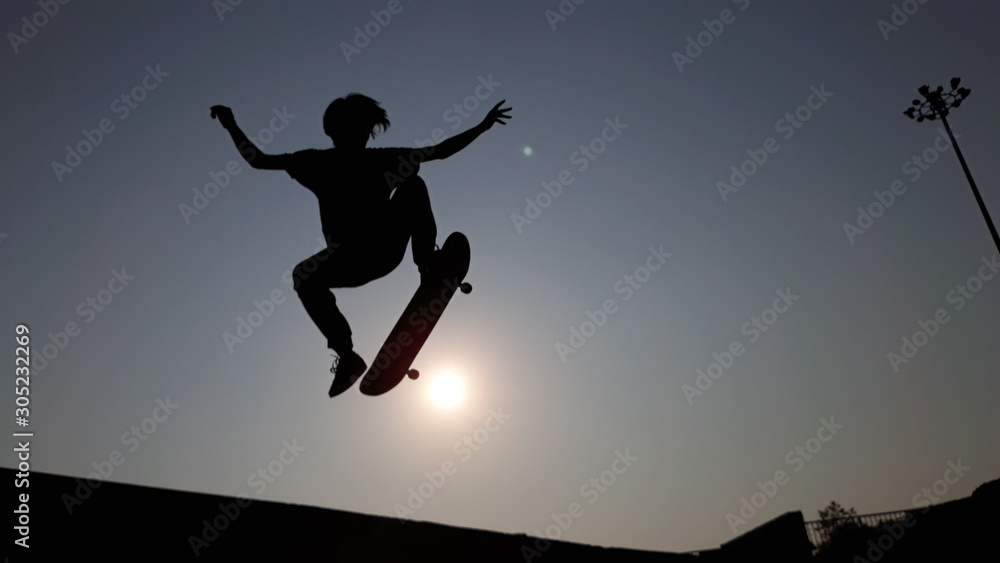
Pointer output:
352, 187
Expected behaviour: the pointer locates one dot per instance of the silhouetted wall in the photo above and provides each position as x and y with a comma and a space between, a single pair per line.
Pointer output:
117, 522
129, 523
781, 540
961, 530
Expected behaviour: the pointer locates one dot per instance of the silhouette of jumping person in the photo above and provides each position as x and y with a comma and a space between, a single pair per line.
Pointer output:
371, 204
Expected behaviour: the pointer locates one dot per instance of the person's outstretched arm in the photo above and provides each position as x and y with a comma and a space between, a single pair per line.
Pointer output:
248, 150
451, 146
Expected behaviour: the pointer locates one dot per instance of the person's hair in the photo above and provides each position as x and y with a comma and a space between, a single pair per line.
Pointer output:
355, 112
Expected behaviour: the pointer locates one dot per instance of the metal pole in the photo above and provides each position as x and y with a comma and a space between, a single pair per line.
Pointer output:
936, 105
972, 183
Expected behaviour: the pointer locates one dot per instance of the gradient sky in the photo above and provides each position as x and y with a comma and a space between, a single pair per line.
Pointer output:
654, 185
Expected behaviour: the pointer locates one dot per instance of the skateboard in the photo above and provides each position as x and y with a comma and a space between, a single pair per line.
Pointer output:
393, 361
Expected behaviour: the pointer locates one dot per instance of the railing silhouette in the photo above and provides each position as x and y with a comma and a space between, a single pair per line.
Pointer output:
819, 534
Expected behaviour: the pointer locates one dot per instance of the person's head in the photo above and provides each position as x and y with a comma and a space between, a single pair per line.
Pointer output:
352, 120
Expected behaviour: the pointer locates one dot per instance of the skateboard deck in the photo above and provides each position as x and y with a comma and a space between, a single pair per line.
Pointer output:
421, 315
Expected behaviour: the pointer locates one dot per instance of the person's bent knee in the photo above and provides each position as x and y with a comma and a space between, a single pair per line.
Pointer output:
303, 278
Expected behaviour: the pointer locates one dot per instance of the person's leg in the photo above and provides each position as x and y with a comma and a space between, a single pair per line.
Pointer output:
410, 210
312, 279
375, 255
345, 266
348, 265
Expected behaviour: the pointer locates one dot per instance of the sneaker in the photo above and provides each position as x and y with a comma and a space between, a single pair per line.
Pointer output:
346, 370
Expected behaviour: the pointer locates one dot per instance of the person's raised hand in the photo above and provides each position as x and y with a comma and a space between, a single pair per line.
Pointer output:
224, 115
496, 115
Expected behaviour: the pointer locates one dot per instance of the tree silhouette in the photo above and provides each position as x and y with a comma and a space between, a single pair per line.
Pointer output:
843, 535
828, 516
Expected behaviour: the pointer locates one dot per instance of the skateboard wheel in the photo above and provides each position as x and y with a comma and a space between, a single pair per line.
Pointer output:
466, 288
413, 374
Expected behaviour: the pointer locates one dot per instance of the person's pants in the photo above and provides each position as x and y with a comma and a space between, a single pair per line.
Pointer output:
370, 256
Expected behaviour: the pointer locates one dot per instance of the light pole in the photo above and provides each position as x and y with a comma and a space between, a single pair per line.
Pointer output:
936, 105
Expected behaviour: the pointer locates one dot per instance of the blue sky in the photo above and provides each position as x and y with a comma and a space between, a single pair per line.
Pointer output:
650, 188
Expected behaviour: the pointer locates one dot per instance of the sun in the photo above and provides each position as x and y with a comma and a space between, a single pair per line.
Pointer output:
446, 390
